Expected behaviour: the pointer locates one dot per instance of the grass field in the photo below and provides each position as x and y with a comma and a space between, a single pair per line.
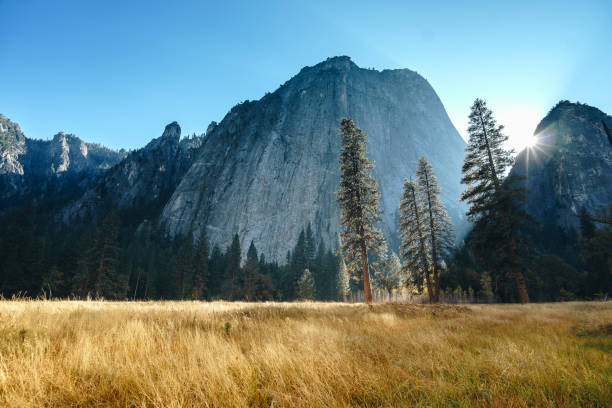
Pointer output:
190, 354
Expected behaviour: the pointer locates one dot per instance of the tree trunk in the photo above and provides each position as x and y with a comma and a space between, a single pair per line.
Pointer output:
367, 290
520, 285
434, 253
491, 162
422, 244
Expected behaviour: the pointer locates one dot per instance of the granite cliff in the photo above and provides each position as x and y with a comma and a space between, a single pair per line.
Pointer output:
569, 167
270, 166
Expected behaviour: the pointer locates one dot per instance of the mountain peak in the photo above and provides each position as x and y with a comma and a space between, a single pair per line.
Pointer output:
566, 109
342, 62
571, 167
172, 130
277, 158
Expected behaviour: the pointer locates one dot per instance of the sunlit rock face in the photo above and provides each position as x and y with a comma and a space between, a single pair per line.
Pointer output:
570, 167
270, 167
12, 144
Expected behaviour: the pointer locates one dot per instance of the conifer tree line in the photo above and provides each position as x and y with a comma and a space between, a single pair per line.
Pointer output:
111, 261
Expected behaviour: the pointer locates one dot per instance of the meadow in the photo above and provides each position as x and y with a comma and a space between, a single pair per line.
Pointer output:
221, 354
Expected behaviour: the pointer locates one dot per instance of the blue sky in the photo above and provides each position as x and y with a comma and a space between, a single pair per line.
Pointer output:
116, 72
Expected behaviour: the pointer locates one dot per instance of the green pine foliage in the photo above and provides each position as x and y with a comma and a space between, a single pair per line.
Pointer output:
200, 268
437, 226
230, 289
182, 271
498, 237
358, 197
250, 274
306, 286
108, 281
414, 248
389, 276
112, 259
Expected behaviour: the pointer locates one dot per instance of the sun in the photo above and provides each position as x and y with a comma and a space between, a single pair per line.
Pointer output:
519, 123
531, 142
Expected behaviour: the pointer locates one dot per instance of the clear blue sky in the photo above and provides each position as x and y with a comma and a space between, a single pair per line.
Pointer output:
116, 72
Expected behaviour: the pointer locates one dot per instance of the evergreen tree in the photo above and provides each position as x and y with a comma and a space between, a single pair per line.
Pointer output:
232, 270
217, 268
298, 264
104, 258
250, 274
389, 276
437, 226
492, 199
358, 198
200, 268
595, 256
182, 270
330, 267
265, 288
342, 281
320, 274
415, 246
309, 246
306, 286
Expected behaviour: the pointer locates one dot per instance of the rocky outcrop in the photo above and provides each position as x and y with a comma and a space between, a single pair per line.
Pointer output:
271, 166
12, 144
30, 168
140, 185
570, 166
64, 153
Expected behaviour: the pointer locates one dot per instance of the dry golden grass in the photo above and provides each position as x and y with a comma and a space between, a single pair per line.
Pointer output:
180, 354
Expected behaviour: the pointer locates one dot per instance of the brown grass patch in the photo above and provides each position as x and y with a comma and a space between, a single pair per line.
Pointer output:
197, 354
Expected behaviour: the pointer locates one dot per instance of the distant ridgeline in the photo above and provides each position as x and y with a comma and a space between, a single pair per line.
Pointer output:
248, 210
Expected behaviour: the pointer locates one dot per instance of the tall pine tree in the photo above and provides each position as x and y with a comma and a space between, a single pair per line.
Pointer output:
232, 269
298, 263
437, 226
306, 286
250, 274
358, 197
104, 259
200, 268
414, 246
493, 199
182, 271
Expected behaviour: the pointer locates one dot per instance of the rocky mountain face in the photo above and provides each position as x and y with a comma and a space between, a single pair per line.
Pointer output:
64, 153
12, 144
140, 185
30, 168
270, 166
570, 167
